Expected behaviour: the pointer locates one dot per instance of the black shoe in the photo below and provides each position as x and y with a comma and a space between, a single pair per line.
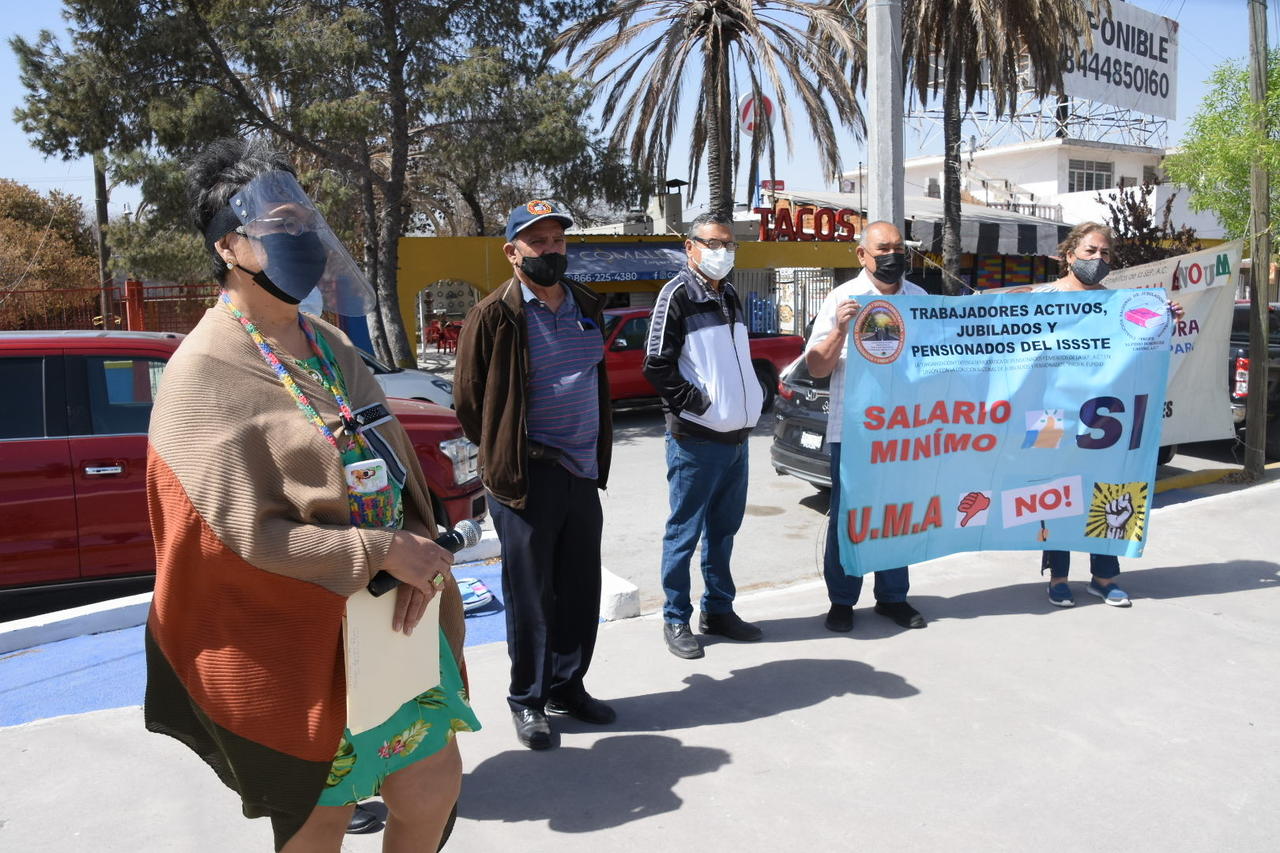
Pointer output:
728, 625
532, 728
362, 820
680, 640
840, 618
584, 708
902, 613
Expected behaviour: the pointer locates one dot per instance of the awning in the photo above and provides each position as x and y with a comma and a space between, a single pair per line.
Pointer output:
983, 230
594, 262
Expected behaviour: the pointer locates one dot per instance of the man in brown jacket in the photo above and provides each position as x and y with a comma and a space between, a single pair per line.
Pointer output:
530, 389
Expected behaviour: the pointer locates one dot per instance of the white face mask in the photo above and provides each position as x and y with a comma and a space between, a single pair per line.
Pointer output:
716, 263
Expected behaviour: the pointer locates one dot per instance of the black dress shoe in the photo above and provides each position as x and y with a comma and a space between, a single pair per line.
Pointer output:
902, 613
584, 708
840, 618
728, 625
680, 640
532, 728
362, 820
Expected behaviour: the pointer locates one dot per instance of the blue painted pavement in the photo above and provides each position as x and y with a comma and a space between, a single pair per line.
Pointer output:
100, 671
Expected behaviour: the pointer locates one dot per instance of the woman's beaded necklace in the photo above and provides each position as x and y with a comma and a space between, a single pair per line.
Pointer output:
329, 380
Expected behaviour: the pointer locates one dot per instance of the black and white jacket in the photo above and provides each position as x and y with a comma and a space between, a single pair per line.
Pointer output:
699, 360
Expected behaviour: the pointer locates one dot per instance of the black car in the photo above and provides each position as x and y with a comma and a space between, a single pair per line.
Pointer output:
799, 434
1238, 373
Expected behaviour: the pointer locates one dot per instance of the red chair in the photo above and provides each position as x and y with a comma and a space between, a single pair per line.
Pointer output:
449, 337
431, 334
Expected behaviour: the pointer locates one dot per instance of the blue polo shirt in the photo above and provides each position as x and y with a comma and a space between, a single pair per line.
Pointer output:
564, 388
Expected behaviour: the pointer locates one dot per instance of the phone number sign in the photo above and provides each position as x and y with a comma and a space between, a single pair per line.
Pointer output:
1132, 63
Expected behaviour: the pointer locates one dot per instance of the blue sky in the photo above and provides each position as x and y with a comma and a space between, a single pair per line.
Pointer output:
1210, 32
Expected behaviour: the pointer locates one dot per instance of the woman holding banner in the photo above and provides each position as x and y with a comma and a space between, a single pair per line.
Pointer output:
1086, 257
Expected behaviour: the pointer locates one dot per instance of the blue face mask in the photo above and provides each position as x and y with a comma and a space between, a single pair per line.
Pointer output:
297, 262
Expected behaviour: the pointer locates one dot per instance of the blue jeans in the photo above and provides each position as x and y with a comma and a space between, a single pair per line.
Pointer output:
707, 486
1058, 563
891, 584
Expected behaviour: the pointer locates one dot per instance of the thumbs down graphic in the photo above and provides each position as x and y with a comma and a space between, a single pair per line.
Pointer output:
971, 505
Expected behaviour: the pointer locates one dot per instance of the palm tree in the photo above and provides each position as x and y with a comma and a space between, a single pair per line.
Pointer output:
992, 48
638, 52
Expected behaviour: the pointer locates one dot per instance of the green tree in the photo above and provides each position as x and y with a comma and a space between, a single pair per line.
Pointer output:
341, 84
988, 49
1217, 152
643, 53
47, 257
536, 143
77, 104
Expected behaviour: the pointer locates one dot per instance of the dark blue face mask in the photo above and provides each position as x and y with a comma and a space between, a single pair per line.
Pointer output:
296, 262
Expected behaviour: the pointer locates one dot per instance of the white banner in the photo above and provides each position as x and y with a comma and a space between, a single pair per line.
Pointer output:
1203, 283
1132, 64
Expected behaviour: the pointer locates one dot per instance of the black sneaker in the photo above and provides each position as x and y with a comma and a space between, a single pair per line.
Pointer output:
903, 614
728, 625
680, 640
840, 618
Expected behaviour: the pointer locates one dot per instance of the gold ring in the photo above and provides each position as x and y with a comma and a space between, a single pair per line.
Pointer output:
438, 580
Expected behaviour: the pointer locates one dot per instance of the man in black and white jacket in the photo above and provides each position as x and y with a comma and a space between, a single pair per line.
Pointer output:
699, 360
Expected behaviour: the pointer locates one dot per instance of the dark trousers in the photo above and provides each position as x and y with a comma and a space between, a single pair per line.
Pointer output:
1100, 565
550, 584
891, 584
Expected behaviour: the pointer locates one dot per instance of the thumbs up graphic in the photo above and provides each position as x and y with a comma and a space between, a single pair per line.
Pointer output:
972, 504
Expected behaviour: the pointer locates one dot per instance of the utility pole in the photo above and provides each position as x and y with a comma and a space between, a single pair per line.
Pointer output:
884, 112
1255, 441
104, 254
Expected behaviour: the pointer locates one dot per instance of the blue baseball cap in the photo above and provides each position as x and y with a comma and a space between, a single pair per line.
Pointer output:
526, 214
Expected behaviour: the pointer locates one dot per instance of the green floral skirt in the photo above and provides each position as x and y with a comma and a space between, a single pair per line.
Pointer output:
421, 727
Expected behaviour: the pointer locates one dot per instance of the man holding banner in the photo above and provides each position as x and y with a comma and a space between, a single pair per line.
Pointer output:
882, 255
1019, 421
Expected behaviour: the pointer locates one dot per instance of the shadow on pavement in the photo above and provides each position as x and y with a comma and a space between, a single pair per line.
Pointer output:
1160, 583
616, 781
753, 693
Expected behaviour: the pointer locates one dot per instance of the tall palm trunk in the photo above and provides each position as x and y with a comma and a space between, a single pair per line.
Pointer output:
951, 121
719, 128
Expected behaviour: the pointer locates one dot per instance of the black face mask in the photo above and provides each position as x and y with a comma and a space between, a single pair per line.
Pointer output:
546, 269
298, 263
891, 267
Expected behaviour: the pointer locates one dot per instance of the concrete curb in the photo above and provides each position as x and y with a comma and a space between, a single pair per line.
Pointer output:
76, 622
619, 599
1193, 478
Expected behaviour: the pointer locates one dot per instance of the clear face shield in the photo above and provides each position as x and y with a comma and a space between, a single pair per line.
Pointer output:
298, 250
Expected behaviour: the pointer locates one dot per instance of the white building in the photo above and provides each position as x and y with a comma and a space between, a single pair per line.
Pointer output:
1056, 179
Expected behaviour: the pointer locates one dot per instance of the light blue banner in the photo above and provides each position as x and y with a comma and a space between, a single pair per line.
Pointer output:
1006, 422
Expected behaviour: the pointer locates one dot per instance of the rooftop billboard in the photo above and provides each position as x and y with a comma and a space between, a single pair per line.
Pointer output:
1132, 64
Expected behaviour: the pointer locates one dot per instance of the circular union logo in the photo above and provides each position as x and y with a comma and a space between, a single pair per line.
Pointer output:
1145, 314
538, 207
879, 333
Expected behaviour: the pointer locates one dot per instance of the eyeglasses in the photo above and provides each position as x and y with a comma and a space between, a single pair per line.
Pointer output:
292, 225
714, 244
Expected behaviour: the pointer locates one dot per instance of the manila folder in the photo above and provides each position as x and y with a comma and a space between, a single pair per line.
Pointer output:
385, 668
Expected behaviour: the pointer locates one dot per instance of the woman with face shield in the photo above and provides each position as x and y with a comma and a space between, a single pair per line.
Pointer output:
278, 486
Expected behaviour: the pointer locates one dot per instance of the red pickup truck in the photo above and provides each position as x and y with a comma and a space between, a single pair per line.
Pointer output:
626, 333
73, 454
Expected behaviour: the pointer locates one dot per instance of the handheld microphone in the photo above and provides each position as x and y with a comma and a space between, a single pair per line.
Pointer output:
463, 535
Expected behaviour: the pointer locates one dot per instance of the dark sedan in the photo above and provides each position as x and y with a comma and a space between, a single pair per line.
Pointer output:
799, 433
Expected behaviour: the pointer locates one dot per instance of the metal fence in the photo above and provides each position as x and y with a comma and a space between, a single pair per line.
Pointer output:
136, 307
68, 308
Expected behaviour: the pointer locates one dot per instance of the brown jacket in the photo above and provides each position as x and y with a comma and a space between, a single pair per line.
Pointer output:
491, 383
